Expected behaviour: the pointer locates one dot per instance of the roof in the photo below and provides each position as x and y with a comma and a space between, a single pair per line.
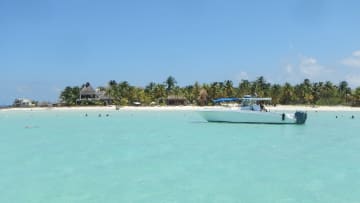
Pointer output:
225, 100
219, 100
257, 99
87, 90
249, 97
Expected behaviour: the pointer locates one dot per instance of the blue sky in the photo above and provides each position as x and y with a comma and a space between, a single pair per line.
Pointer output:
46, 45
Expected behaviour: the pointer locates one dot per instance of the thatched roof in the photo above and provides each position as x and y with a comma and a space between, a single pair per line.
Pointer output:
87, 90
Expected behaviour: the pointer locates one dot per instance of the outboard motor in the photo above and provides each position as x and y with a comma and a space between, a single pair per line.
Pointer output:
300, 117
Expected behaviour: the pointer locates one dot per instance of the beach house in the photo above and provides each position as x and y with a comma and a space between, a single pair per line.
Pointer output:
22, 102
175, 100
89, 94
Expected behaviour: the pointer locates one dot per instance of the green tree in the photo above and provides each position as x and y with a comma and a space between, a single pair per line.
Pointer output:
287, 95
160, 93
195, 92
328, 94
191, 93
356, 97
124, 89
244, 88
275, 92
170, 83
69, 95
260, 87
228, 89
308, 92
113, 92
344, 91
316, 89
216, 90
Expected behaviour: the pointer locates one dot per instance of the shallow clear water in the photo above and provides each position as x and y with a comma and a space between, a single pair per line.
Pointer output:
132, 156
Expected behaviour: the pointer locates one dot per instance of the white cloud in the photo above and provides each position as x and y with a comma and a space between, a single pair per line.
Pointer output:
310, 68
308, 60
356, 53
353, 60
289, 68
353, 80
306, 67
296, 69
242, 76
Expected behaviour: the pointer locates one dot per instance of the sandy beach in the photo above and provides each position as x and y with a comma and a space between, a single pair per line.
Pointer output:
183, 108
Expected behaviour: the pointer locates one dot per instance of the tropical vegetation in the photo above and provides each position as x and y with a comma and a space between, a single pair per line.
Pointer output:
307, 92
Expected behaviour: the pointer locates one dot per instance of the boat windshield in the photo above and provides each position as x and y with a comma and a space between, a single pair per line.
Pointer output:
249, 101
246, 102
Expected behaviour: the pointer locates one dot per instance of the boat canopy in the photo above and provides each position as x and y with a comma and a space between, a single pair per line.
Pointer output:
246, 97
256, 99
251, 98
219, 100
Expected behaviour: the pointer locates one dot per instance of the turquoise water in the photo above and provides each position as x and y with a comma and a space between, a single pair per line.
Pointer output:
59, 156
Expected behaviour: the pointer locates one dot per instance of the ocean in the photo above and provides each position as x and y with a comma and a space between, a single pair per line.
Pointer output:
54, 156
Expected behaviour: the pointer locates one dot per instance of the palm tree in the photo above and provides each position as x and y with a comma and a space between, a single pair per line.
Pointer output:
112, 91
195, 92
124, 88
307, 91
160, 93
188, 93
303, 93
260, 87
69, 95
216, 90
275, 91
328, 93
112, 83
287, 94
344, 91
356, 99
170, 83
149, 90
316, 89
244, 88
177, 91
229, 89
150, 87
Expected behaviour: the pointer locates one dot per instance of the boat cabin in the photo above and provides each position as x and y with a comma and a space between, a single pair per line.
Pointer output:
253, 103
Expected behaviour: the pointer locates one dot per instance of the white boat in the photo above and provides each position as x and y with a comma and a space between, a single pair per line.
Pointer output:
252, 110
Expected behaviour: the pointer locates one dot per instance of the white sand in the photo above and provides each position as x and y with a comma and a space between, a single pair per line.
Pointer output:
183, 108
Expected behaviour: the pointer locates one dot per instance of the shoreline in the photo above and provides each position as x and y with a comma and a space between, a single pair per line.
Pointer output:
181, 108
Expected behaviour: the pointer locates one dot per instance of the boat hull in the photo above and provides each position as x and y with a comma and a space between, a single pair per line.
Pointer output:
241, 116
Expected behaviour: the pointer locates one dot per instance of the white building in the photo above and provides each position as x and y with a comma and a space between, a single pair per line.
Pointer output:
21, 102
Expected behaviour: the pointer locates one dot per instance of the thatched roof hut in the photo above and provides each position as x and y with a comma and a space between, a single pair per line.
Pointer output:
175, 100
87, 92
